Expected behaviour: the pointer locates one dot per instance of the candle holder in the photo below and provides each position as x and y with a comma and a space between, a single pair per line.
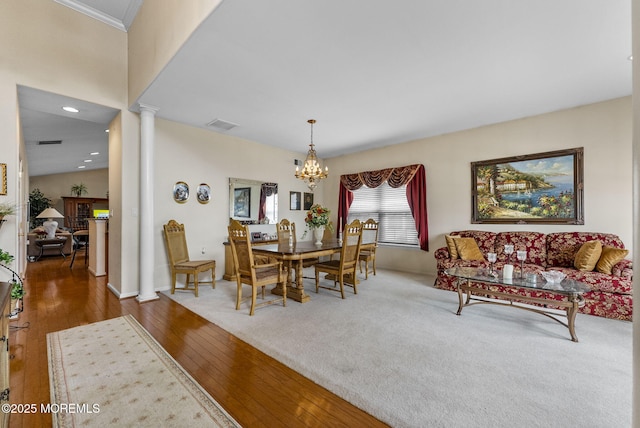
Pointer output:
491, 257
507, 270
508, 250
521, 256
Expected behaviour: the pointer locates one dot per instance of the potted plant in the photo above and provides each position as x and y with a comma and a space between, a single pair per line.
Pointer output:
7, 208
17, 293
17, 287
79, 189
38, 203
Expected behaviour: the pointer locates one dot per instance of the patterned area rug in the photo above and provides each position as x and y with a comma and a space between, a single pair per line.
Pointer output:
114, 373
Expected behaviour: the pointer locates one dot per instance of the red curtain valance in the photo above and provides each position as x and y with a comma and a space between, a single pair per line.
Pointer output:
396, 177
413, 176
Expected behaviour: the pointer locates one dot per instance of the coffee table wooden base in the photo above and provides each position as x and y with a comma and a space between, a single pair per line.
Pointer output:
570, 305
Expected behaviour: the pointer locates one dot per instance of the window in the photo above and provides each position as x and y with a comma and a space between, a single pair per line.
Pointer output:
389, 207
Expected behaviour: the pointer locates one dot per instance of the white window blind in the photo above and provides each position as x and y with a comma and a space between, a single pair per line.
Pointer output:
389, 207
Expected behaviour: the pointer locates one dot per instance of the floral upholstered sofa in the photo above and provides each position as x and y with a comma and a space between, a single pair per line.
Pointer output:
608, 274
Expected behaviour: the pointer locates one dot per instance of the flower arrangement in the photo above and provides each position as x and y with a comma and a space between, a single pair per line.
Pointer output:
317, 216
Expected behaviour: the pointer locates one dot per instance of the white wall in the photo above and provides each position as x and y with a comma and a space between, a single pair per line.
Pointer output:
195, 156
55, 186
50, 47
603, 129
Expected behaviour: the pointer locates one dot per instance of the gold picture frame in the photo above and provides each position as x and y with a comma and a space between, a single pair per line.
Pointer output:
3, 171
540, 188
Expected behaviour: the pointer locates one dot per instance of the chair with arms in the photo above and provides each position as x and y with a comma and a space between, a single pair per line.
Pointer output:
179, 261
368, 246
249, 272
80, 235
347, 264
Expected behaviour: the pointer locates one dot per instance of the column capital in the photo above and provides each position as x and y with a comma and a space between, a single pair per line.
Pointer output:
148, 108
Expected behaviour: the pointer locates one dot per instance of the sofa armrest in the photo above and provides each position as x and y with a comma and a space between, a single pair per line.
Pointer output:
624, 269
442, 253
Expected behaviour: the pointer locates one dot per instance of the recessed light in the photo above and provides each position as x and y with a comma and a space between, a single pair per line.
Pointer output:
81, 167
106, 130
94, 153
70, 109
87, 160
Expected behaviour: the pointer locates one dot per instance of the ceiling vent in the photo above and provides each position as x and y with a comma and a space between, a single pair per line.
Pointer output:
48, 142
221, 125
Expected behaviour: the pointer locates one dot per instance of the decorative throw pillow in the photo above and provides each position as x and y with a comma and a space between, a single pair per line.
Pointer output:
609, 258
468, 249
451, 245
587, 256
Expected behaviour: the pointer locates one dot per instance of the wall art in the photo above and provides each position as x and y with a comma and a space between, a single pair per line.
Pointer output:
536, 188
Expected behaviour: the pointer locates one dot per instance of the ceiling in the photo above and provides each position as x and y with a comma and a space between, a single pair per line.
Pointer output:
376, 73
84, 142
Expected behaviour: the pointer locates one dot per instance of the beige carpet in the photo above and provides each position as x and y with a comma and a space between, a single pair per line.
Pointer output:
398, 351
114, 373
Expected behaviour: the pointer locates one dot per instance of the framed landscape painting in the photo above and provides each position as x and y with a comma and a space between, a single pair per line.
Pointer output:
537, 188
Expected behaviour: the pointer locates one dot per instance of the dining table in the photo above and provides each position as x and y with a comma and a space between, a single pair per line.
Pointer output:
292, 257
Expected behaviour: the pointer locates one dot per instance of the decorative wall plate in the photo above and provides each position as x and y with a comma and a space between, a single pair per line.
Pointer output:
204, 193
181, 192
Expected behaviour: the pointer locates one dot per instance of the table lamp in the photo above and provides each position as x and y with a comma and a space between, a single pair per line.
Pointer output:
50, 226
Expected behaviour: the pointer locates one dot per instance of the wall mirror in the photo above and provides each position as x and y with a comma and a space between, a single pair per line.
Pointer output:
253, 201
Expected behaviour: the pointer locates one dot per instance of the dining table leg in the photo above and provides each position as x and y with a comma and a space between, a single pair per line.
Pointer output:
295, 290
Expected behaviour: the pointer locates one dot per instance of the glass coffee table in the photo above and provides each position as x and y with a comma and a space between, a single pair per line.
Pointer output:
475, 284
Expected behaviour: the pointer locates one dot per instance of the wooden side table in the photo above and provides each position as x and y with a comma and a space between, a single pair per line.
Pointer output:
49, 243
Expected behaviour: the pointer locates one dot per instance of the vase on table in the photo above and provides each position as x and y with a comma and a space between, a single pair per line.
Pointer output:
318, 233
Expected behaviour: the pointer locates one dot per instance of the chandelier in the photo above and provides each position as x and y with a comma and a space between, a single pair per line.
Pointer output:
312, 170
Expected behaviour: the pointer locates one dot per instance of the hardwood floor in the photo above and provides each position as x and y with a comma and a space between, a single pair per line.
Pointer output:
255, 389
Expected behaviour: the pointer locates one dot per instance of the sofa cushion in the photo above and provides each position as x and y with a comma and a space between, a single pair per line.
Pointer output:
534, 243
485, 240
467, 249
609, 258
563, 246
451, 245
587, 256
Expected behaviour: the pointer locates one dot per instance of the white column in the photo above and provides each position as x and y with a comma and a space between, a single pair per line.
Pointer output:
147, 137
97, 247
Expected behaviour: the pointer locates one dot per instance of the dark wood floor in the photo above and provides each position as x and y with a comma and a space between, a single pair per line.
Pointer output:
253, 387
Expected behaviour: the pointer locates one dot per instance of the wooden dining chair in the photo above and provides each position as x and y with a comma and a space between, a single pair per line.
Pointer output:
368, 246
285, 229
256, 275
179, 261
347, 264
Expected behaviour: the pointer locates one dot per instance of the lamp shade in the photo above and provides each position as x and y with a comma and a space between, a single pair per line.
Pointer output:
50, 213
